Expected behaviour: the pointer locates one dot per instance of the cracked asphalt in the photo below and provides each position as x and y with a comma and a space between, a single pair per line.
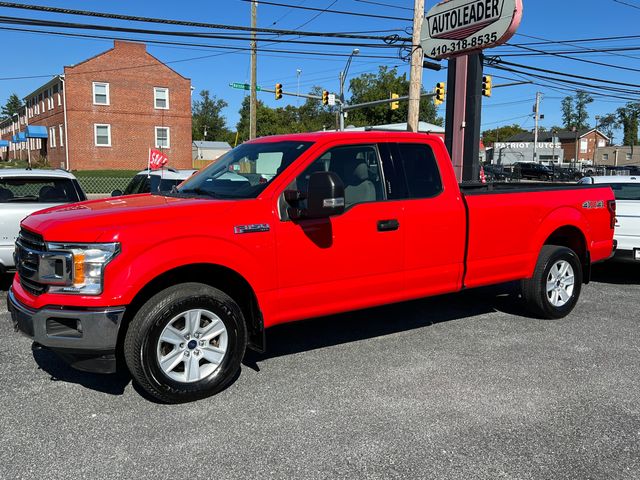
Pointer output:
454, 387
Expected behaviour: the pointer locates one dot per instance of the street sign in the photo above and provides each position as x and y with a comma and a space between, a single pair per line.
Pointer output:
332, 99
456, 27
243, 86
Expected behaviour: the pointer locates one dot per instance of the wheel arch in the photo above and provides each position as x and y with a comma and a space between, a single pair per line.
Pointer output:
223, 278
572, 237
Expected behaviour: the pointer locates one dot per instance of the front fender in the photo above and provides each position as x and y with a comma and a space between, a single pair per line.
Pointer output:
132, 270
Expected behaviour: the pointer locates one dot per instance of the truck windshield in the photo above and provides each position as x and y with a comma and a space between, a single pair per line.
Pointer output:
245, 171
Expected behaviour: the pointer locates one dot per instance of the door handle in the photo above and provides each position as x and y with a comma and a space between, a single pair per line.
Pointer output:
388, 225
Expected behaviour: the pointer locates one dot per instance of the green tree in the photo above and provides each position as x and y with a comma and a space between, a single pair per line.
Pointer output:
12, 106
568, 113
207, 117
377, 86
607, 125
628, 119
500, 134
574, 110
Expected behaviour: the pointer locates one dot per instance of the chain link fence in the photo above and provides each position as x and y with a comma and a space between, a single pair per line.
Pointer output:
102, 185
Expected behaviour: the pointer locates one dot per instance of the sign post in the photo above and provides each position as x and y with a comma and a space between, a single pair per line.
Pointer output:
459, 30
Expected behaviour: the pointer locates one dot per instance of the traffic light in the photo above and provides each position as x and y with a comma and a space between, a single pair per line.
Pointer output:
278, 91
440, 93
487, 83
325, 97
395, 105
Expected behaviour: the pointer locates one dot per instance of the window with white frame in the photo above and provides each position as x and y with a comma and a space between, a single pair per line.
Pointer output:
161, 98
61, 128
100, 93
163, 137
628, 156
52, 137
583, 145
605, 157
102, 135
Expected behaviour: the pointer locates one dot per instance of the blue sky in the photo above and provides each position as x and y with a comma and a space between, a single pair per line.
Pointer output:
28, 54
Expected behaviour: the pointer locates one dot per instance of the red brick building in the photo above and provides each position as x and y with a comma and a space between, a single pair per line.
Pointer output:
105, 113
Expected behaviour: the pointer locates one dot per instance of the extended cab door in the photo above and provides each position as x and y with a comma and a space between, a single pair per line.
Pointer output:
348, 261
434, 216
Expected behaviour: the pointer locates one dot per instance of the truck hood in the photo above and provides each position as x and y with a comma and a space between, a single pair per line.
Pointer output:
99, 220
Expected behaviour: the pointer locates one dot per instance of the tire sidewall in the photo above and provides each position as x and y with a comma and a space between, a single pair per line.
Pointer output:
154, 322
567, 255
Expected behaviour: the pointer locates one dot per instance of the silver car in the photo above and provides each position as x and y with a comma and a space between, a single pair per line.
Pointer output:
23, 192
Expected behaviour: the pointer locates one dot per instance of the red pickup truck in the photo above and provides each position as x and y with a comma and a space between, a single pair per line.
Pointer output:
286, 228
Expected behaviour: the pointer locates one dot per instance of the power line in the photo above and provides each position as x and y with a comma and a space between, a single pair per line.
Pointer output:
627, 4
88, 26
218, 26
317, 15
592, 62
326, 10
572, 75
384, 4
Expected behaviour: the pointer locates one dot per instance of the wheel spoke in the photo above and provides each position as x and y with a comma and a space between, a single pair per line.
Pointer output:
213, 332
562, 268
569, 280
193, 368
564, 296
172, 336
192, 321
171, 360
213, 354
551, 285
554, 297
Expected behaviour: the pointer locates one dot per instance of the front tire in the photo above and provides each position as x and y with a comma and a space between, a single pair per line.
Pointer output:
555, 287
185, 343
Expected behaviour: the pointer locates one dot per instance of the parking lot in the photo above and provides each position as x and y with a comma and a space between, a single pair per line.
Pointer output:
455, 387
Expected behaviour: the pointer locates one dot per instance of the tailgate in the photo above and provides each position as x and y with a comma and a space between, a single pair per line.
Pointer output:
628, 224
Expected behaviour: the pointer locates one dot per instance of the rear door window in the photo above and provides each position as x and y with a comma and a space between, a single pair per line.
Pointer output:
411, 171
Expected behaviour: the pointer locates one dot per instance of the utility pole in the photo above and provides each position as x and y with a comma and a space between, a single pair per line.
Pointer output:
417, 58
536, 112
253, 100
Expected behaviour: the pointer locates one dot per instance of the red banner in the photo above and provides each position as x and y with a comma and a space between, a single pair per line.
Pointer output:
157, 159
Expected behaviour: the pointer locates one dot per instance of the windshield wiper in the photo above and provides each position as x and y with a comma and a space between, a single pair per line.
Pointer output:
199, 191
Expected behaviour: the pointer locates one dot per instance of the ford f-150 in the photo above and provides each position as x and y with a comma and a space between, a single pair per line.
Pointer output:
286, 228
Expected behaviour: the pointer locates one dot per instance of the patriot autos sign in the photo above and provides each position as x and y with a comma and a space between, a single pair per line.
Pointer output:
455, 27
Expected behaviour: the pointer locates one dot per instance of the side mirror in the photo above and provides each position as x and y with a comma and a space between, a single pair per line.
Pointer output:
326, 195
116, 193
324, 199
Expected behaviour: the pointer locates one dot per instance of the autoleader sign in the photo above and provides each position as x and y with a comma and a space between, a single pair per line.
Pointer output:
455, 27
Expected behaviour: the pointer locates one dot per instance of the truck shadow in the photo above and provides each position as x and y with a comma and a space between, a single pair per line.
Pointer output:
5, 281
59, 371
322, 332
333, 330
616, 273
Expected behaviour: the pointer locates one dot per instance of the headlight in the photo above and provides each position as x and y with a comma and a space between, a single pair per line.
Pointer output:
86, 266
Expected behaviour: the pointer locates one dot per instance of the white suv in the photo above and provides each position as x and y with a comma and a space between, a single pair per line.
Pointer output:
627, 192
23, 192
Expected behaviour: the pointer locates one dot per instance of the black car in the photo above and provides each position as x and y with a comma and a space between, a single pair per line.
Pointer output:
567, 174
532, 171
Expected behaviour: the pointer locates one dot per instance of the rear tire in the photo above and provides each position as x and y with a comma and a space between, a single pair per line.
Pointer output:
555, 287
185, 343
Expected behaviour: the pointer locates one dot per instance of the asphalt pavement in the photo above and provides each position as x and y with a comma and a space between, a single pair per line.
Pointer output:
454, 387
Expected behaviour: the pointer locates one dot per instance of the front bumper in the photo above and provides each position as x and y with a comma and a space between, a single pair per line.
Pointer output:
84, 338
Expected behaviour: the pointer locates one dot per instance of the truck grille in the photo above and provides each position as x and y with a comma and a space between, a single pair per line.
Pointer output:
28, 247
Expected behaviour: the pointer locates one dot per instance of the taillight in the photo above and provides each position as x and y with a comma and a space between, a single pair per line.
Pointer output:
611, 206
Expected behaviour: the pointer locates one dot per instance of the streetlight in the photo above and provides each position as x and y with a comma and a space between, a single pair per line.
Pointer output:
298, 73
595, 145
343, 76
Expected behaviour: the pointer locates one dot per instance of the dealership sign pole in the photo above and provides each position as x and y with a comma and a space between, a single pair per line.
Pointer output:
458, 30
